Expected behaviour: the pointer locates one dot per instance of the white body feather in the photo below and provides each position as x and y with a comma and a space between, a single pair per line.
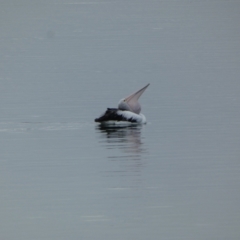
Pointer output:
139, 118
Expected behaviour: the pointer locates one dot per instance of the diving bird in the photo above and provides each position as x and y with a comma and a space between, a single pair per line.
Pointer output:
128, 111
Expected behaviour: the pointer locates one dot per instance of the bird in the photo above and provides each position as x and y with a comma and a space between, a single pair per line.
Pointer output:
128, 111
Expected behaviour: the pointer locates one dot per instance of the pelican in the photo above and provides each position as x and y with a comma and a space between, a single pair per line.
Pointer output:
128, 111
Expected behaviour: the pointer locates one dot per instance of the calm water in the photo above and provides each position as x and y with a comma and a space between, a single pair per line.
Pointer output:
64, 177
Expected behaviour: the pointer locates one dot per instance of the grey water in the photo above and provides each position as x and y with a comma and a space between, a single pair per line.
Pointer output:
64, 177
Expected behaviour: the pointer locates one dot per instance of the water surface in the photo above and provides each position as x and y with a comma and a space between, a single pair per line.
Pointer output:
64, 177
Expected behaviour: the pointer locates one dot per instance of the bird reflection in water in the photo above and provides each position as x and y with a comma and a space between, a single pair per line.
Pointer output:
128, 139
127, 153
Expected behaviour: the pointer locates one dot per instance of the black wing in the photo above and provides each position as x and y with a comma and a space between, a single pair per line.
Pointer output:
113, 114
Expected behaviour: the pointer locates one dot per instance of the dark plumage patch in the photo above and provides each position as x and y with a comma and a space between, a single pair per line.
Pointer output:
112, 115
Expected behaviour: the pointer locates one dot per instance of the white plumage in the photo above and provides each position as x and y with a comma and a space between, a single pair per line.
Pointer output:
139, 118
